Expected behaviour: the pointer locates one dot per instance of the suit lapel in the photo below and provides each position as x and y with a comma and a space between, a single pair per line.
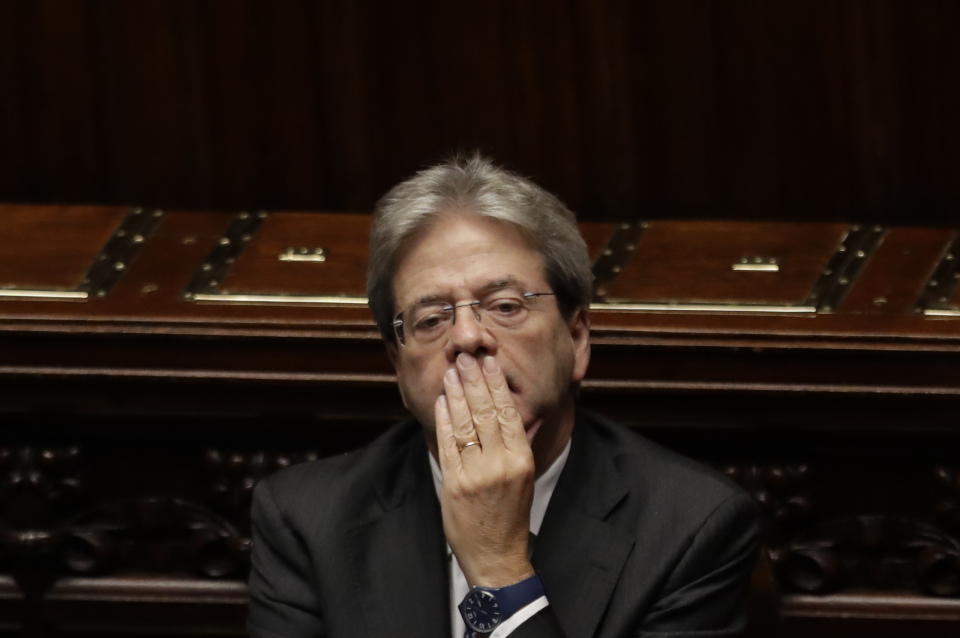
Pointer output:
401, 573
579, 554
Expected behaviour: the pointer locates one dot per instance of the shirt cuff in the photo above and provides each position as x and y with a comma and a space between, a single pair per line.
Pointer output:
521, 616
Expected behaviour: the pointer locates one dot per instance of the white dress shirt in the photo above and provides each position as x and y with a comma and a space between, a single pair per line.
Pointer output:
542, 491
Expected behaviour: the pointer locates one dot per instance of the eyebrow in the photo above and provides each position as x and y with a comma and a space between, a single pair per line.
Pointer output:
494, 284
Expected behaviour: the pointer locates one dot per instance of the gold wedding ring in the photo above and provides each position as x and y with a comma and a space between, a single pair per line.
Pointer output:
468, 444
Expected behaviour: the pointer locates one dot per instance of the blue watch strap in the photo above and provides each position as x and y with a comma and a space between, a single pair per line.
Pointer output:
510, 599
515, 597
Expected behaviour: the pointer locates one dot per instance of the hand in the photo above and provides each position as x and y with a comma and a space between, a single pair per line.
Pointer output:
487, 487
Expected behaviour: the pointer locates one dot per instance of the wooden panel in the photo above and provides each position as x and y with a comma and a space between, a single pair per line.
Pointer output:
52, 247
596, 234
671, 262
893, 279
692, 262
342, 237
948, 295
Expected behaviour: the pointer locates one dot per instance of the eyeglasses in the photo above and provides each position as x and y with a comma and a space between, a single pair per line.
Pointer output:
427, 322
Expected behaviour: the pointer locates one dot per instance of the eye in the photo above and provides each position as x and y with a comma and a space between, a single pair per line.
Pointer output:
430, 321
505, 307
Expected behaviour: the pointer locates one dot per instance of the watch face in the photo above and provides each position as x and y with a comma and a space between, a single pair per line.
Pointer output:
481, 611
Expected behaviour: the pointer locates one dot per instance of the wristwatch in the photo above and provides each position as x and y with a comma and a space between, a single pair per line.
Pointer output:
484, 608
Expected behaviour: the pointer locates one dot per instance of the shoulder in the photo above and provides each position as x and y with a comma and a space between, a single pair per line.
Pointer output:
664, 482
330, 487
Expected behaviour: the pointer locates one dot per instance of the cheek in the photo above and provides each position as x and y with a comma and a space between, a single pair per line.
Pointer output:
420, 384
548, 366
563, 361
411, 381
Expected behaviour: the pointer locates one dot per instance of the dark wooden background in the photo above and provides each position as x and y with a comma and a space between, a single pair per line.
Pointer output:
809, 110
679, 109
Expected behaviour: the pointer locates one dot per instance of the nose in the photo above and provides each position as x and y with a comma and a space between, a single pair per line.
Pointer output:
469, 334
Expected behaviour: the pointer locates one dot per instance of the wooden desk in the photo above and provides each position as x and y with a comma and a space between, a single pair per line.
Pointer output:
155, 365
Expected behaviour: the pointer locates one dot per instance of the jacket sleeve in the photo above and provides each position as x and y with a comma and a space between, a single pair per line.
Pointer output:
283, 603
706, 594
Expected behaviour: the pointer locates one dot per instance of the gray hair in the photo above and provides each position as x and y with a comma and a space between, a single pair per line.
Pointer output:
474, 184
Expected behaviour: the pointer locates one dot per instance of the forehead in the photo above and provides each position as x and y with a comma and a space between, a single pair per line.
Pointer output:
460, 254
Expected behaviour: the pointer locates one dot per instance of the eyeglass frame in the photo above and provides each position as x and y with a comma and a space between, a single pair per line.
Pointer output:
452, 309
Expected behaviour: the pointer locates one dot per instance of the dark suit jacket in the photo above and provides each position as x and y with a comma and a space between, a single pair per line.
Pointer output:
637, 541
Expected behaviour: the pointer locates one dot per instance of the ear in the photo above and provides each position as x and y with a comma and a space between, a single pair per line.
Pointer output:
579, 326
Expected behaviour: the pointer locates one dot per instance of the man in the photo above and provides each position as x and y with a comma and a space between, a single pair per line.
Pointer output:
503, 510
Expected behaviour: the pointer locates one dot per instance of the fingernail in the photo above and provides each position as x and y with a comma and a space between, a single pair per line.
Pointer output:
465, 360
451, 376
490, 365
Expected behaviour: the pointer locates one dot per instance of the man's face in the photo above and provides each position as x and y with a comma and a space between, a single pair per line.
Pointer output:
457, 260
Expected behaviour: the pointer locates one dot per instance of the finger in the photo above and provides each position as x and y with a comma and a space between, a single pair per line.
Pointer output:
448, 450
508, 417
482, 409
461, 420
